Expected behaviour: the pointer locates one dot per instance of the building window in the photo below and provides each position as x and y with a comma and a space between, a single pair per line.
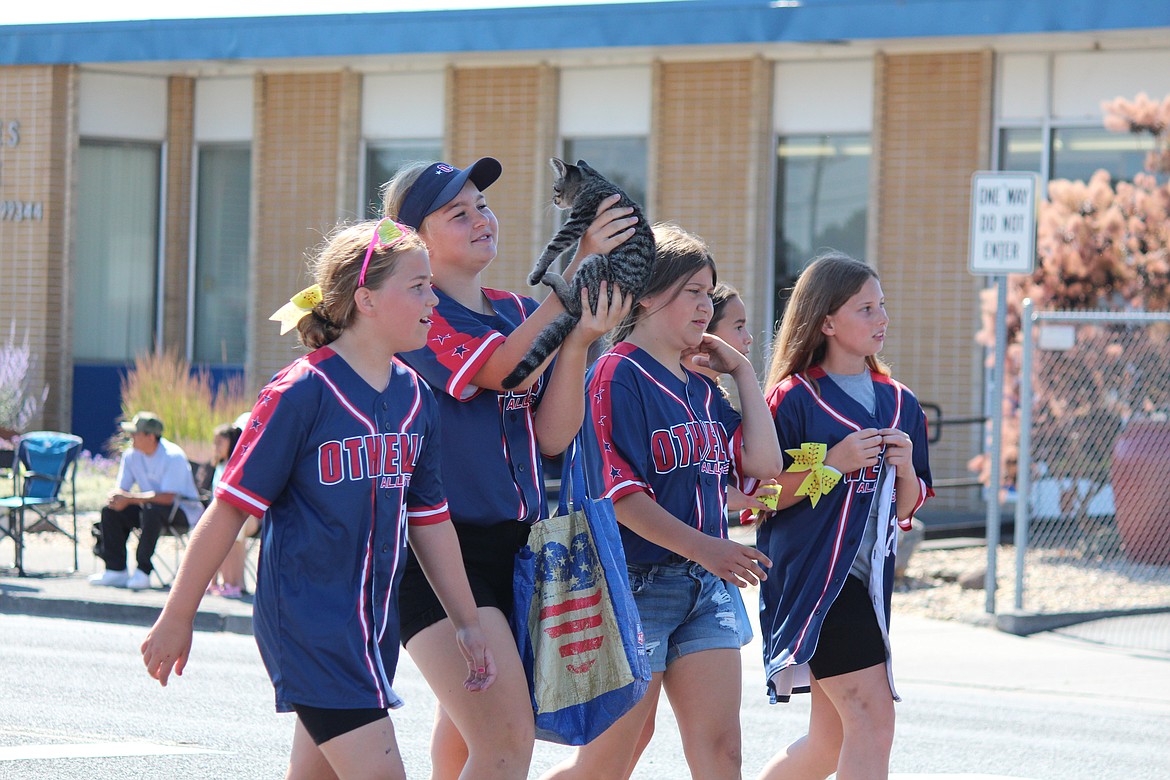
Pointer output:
115, 303
822, 196
385, 159
1074, 153
1077, 152
220, 289
622, 160
1021, 149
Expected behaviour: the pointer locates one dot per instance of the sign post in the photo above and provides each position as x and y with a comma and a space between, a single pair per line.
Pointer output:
1003, 241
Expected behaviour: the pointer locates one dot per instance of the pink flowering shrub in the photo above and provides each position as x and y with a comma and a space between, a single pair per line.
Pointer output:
1098, 247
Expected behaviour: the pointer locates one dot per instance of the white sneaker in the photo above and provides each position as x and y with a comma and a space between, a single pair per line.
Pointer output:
110, 578
139, 580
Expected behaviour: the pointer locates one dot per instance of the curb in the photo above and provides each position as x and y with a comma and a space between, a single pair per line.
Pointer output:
103, 612
1025, 623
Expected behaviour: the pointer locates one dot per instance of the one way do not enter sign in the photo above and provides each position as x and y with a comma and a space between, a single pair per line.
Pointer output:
1003, 223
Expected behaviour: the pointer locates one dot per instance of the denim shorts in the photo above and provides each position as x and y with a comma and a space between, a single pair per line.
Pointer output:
684, 609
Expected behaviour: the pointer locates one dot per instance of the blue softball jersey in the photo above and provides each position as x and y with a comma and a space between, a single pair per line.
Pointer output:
337, 470
813, 548
677, 441
491, 462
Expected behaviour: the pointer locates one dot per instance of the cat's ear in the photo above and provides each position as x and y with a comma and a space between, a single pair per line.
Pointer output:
585, 166
559, 166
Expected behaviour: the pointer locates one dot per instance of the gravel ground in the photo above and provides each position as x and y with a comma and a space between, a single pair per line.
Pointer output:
1056, 581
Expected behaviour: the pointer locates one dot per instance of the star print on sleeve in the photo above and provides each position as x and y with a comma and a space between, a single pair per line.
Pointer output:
615, 473
599, 395
440, 338
459, 351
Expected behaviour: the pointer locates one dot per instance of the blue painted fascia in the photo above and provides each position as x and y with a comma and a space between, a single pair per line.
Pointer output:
678, 23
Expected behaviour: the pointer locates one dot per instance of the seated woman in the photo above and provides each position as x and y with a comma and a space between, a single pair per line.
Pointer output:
229, 580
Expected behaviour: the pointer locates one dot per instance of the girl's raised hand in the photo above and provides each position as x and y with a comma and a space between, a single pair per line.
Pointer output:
609, 229
716, 354
858, 450
593, 325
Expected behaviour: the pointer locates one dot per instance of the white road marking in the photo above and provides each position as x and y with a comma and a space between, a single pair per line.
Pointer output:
96, 750
950, 776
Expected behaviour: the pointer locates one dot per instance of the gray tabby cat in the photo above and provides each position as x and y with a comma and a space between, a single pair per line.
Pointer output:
629, 266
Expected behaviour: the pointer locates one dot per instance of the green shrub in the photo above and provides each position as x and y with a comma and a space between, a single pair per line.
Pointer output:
190, 408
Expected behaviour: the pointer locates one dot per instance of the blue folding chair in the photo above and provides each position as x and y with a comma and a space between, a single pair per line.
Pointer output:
44, 462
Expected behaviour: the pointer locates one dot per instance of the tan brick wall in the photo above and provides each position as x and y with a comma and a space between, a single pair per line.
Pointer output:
932, 123
303, 182
176, 242
35, 253
711, 167
509, 114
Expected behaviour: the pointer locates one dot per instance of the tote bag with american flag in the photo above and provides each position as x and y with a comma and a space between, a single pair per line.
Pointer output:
574, 617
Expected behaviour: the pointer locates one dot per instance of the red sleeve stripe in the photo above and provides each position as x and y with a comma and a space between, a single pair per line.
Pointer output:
240, 499
431, 515
462, 378
623, 489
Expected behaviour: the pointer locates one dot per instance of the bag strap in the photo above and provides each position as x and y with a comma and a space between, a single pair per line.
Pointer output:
572, 478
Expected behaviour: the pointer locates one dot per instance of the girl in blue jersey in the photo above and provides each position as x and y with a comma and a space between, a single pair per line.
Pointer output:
492, 445
663, 443
339, 455
729, 322
857, 442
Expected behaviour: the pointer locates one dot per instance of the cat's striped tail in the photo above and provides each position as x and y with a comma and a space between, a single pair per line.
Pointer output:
546, 342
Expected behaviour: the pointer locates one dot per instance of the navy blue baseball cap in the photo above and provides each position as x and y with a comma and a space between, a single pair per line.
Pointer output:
440, 183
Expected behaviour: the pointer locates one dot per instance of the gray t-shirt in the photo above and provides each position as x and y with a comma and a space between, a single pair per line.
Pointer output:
860, 389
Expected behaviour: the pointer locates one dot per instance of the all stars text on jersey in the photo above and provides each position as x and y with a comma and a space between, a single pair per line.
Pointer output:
390, 456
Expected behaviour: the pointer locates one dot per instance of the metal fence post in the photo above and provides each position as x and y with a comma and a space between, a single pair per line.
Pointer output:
1024, 459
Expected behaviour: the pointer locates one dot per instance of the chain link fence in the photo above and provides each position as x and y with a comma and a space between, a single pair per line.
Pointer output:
1093, 479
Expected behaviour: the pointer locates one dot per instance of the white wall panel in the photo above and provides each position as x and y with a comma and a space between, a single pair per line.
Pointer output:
1023, 86
605, 101
223, 110
403, 105
124, 107
1082, 80
823, 96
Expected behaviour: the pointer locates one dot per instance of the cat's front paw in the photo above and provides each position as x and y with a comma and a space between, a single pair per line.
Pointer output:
535, 278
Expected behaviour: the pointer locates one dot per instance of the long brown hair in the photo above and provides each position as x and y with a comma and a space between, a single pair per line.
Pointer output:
823, 287
336, 268
678, 255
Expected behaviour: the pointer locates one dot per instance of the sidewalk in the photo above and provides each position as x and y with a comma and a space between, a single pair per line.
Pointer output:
952, 653
48, 589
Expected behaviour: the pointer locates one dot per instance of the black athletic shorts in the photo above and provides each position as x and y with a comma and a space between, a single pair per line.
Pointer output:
489, 556
325, 724
850, 638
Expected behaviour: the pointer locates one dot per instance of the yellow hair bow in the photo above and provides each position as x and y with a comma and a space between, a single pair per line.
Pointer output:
821, 479
297, 307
